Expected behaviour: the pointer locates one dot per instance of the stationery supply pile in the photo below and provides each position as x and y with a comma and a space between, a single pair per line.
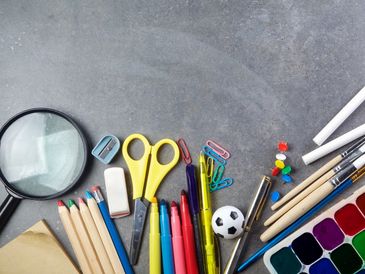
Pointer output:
305, 251
183, 237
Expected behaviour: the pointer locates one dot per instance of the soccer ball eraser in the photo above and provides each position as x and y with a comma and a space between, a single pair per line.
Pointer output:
227, 222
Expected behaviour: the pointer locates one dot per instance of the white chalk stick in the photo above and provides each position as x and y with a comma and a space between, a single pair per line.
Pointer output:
340, 117
333, 145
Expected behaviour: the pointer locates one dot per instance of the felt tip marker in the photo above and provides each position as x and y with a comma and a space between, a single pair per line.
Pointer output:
195, 215
177, 240
188, 236
155, 247
166, 243
206, 213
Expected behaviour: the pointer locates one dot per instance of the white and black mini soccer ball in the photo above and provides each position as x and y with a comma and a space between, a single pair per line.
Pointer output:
227, 222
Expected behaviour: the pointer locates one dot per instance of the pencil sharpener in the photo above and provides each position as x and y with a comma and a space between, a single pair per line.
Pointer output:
106, 149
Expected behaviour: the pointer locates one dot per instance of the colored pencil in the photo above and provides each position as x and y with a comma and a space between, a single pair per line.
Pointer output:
85, 238
104, 234
95, 237
123, 257
73, 237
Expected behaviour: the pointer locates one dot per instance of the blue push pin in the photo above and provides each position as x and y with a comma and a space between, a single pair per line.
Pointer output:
287, 178
275, 196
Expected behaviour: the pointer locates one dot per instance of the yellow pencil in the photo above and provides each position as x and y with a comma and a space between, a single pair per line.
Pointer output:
84, 237
95, 237
155, 247
104, 234
73, 237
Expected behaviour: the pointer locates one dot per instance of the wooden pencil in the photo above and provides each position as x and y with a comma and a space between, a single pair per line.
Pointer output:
85, 238
95, 237
73, 238
104, 234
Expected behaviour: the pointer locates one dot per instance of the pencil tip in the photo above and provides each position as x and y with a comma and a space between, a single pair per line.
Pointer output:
81, 201
163, 202
94, 188
88, 195
71, 203
173, 204
60, 203
183, 192
154, 200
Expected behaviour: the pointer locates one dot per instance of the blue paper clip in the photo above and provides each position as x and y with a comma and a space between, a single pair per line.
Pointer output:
218, 174
226, 182
210, 153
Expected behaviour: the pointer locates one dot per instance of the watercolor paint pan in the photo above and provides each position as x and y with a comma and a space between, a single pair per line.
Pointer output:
332, 243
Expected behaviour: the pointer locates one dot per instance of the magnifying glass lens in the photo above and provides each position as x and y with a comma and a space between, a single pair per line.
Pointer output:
41, 154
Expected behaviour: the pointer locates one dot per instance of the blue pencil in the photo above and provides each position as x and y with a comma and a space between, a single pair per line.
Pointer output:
112, 231
295, 225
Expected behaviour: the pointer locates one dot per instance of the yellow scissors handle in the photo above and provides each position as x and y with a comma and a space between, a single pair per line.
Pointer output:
137, 168
157, 170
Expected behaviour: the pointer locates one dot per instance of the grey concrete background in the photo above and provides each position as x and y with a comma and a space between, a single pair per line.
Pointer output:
243, 73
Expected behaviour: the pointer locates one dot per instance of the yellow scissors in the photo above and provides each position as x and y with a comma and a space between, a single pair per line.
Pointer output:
154, 173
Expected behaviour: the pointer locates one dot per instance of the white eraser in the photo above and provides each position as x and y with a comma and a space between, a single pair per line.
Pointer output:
116, 191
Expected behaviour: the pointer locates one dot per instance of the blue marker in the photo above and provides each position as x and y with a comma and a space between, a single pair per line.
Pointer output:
295, 225
122, 254
166, 244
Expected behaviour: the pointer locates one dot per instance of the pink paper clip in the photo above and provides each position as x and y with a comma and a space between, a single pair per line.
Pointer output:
185, 154
221, 151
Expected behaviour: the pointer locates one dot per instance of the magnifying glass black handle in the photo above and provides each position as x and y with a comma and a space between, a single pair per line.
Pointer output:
7, 208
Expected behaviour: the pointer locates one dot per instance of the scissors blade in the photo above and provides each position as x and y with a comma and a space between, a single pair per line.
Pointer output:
140, 215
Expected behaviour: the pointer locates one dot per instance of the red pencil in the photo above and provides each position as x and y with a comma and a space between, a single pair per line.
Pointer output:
188, 236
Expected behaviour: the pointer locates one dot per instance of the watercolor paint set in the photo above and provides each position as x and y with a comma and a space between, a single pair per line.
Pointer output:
332, 243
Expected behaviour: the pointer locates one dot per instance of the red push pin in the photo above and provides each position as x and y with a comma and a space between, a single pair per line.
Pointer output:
283, 146
275, 171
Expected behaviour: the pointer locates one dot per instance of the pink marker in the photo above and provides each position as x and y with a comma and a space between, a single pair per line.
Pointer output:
177, 240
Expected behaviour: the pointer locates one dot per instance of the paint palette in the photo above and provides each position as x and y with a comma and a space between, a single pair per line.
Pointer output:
332, 243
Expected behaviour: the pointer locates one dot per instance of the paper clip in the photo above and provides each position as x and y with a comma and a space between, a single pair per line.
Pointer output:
185, 154
221, 151
211, 153
226, 182
210, 168
218, 174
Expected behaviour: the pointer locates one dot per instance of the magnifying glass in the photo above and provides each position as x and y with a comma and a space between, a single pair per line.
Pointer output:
43, 154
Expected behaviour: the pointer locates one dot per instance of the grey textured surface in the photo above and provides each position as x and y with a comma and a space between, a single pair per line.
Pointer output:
244, 73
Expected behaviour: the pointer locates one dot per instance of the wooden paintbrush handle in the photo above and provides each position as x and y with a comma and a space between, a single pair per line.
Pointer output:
299, 197
297, 211
307, 182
